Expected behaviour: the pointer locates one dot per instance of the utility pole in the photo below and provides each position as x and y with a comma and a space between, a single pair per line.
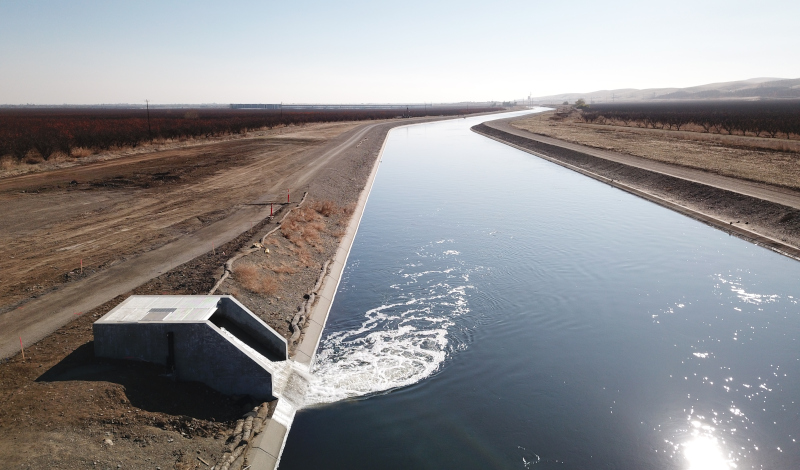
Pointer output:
149, 129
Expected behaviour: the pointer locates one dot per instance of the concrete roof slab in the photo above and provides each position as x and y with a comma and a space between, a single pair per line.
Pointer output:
164, 308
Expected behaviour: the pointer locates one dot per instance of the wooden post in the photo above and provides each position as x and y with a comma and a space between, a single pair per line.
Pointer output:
149, 130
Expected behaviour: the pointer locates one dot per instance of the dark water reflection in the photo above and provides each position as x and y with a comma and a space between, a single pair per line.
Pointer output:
545, 319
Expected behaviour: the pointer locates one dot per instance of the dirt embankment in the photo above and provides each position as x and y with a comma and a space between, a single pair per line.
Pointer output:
60, 404
745, 216
771, 161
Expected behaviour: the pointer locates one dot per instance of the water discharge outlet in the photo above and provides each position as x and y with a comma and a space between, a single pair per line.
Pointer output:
211, 339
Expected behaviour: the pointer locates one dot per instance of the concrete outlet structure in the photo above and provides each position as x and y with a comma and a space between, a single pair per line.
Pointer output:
211, 339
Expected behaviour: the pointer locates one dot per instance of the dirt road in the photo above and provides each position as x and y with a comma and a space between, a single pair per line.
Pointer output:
133, 218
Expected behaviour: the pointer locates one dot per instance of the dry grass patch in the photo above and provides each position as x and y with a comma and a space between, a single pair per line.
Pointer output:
325, 208
9, 163
690, 132
255, 279
307, 227
302, 254
725, 158
81, 152
304, 226
284, 269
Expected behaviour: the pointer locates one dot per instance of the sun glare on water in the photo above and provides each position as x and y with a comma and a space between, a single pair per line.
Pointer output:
703, 452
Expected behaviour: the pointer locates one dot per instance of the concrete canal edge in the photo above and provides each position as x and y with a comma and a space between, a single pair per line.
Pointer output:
304, 353
266, 449
755, 238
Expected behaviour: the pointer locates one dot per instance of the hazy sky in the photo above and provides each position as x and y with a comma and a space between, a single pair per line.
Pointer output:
54, 52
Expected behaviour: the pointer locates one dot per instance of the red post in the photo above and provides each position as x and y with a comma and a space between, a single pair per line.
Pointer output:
270, 209
287, 196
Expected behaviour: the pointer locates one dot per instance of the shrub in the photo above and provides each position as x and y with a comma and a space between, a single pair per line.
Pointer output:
327, 208
255, 279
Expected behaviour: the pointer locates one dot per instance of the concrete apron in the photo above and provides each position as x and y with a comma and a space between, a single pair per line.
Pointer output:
289, 383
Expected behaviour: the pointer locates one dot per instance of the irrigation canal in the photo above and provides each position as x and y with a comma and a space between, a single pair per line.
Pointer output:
500, 311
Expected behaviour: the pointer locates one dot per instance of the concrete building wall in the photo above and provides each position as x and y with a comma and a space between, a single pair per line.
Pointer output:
237, 313
202, 354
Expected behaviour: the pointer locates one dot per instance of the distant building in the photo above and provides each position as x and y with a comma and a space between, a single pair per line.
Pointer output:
255, 106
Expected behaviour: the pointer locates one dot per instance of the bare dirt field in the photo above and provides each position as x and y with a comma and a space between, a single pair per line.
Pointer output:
82, 156
60, 407
106, 211
771, 161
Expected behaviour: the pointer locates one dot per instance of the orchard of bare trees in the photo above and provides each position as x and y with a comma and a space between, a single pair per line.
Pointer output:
48, 131
776, 119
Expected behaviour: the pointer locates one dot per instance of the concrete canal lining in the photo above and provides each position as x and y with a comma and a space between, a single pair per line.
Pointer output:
265, 451
498, 131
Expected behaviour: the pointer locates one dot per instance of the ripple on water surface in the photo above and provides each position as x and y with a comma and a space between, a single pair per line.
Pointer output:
559, 323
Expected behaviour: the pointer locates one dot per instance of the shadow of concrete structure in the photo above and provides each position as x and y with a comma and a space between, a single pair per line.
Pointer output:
148, 387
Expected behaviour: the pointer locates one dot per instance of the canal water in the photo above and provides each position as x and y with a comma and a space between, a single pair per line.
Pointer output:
499, 311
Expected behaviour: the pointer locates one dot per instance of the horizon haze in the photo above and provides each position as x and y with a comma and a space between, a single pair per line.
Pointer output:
90, 52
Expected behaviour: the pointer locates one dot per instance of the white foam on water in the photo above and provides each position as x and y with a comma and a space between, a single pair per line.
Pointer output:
397, 344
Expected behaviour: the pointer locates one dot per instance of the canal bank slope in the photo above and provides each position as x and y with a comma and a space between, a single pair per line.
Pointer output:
267, 447
767, 216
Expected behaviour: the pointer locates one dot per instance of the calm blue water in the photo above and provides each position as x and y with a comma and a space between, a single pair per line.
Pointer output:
499, 311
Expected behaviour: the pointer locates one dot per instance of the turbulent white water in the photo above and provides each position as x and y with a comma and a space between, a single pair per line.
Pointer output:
399, 343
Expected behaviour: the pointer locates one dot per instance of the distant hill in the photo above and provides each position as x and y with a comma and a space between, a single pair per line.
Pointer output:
754, 88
